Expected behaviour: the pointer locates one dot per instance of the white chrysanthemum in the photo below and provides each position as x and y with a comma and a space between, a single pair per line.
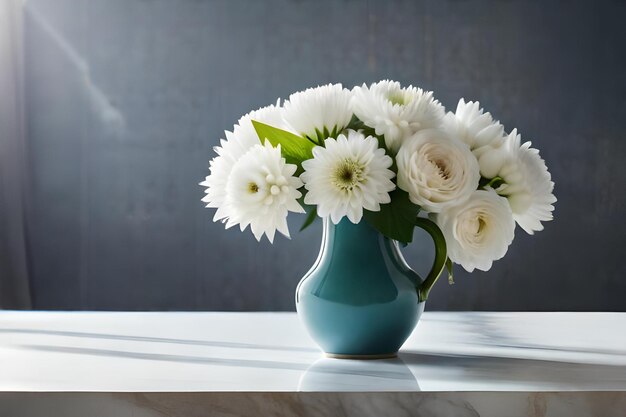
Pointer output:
477, 129
527, 182
346, 176
479, 231
319, 112
261, 190
396, 112
236, 144
437, 170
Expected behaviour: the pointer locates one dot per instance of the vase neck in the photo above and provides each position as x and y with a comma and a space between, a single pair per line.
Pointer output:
350, 237
353, 244
356, 258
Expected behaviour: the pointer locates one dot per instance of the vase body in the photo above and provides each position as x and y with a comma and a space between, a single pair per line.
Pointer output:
359, 299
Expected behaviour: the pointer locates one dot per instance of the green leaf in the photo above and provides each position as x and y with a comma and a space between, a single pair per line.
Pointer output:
396, 219
310, 218
493, 182
368, 131
294, 148
355, 123
319, 137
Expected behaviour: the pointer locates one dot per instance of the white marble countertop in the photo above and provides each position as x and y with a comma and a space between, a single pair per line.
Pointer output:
260, 352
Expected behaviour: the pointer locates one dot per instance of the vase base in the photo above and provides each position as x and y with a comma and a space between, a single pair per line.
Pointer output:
366, 357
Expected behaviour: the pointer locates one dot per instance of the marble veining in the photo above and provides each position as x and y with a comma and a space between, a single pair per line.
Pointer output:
317, 404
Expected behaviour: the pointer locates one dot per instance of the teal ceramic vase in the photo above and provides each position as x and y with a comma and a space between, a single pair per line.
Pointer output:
360, 298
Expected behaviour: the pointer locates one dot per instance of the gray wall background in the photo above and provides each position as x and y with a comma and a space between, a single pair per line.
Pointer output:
126, 98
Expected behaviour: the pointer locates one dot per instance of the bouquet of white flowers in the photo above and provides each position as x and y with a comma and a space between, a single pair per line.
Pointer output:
382, 154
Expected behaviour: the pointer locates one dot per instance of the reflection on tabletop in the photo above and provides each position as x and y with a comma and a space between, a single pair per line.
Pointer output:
328, 374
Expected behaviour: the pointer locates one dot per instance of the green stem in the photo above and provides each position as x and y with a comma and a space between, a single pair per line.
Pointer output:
441, 256
494, 182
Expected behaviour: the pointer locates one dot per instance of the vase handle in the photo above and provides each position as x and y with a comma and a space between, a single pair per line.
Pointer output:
441, 256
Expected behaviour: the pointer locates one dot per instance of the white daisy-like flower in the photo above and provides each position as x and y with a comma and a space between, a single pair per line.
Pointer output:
437, 170
346, 176
320, 112
474, 127
261, 191
479, 231
236, 144
527, 183
396, 112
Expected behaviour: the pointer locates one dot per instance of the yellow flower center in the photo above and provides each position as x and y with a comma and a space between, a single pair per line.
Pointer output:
253, 188
347, 174
396, 98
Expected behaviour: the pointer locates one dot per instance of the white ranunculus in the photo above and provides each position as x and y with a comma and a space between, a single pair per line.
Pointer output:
315, 110
479, 231
237, 143
396, 112
477, 129
527, 183
346, 176
437, 170
261, 190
